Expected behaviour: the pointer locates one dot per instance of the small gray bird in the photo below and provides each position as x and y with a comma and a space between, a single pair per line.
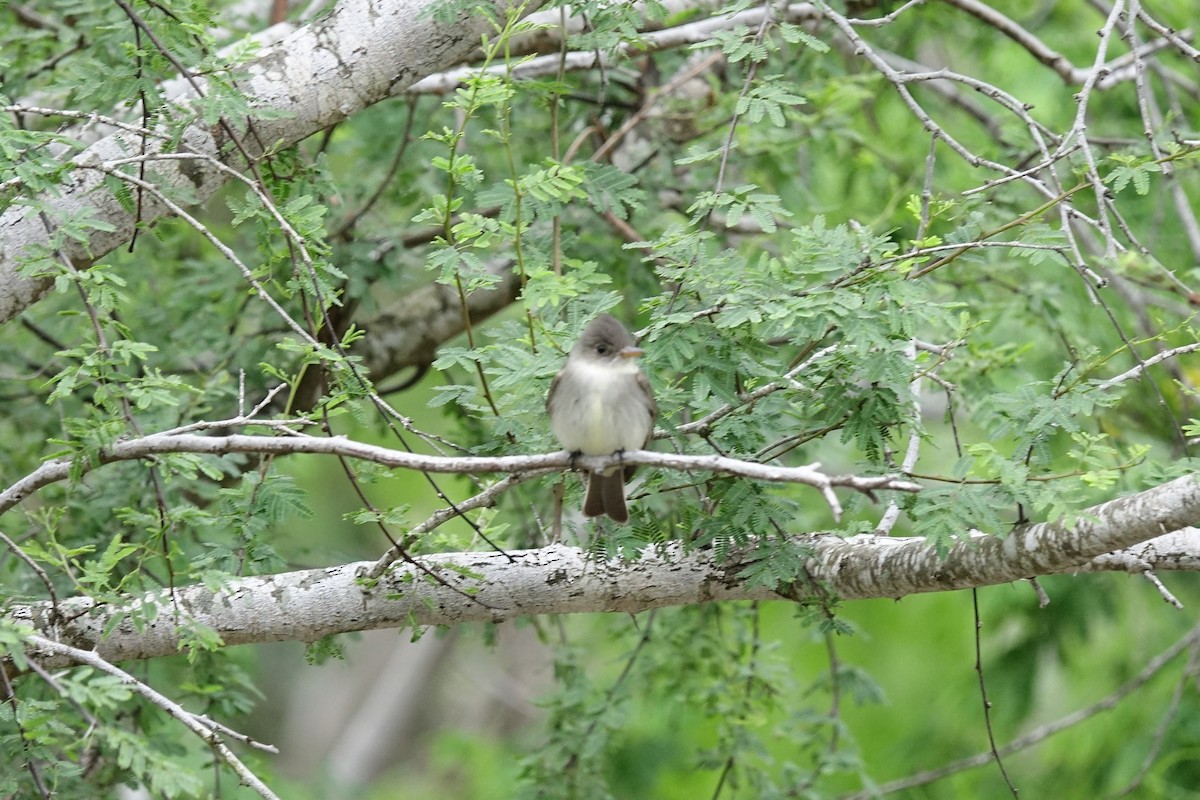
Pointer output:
601, 403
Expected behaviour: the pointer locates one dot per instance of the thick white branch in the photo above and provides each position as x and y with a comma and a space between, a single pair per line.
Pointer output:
1172, 552
310, 604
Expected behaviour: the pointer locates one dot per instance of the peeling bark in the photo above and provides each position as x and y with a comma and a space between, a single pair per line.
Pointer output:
310, 604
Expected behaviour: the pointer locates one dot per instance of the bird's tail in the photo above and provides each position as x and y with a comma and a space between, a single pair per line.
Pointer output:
606, 495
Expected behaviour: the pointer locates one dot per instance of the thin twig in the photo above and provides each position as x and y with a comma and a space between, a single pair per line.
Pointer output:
983, 696
1146, 363
1167, 596
157, 444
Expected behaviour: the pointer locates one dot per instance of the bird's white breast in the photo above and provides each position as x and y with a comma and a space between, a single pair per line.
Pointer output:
609, 413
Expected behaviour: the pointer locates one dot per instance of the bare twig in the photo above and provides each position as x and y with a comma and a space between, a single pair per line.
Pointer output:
1162, 590
1042, 597
159, 444
1146, 364
983, 696
483, 499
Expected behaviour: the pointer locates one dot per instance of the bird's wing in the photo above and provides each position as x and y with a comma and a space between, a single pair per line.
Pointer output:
644, 384
553, 386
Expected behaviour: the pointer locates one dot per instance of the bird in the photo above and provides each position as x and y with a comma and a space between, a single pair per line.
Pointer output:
601, 403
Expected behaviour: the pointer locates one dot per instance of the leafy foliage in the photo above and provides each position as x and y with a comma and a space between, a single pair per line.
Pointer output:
827, 263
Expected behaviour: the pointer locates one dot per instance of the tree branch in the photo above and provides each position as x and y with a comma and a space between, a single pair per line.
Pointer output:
492, 587
164, 443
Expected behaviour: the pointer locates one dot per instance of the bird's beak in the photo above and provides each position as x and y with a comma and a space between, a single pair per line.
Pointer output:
630, 352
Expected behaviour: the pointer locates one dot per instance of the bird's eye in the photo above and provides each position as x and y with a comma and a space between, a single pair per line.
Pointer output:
602, 349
